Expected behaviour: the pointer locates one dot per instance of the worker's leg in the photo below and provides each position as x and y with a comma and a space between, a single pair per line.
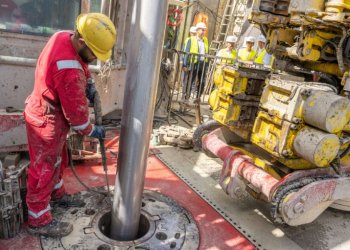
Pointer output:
39, 213
58, 189
194, 78
42, 174
185, 77
45, 147
201, 78
59, 196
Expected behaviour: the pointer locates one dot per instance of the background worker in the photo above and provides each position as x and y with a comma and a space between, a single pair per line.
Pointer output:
247, 54
185, 76
59, 101
229, 51
197, 64
262, 56
193, 32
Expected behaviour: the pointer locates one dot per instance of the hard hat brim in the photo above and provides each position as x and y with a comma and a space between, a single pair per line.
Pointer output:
100, 56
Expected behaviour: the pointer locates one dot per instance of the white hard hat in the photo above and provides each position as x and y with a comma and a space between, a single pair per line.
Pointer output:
250, 39
261, 38
201, 25
193, 29
231, 39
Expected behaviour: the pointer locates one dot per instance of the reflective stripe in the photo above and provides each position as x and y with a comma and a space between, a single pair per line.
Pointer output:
82, 126
69, 64
58, 185
92, 130
42, 212
33, 117
58, 162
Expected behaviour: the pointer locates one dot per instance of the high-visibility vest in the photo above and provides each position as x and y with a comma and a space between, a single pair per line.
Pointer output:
245, 55
194, 48
225, 53
185, 42
260, 58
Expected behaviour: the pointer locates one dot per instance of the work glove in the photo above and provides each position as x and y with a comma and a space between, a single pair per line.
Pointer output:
90, 90
97, 132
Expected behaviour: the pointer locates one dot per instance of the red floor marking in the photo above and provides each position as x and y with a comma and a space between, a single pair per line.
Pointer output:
215, 232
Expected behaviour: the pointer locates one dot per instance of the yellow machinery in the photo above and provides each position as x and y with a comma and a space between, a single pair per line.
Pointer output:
288, 128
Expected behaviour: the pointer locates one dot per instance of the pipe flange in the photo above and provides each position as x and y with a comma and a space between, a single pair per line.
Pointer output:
163, 225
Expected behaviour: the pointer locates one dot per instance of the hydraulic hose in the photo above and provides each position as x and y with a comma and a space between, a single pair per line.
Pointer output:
71, 165
98, 121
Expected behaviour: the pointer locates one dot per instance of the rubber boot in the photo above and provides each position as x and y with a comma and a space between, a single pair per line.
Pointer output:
55, 229
68, 201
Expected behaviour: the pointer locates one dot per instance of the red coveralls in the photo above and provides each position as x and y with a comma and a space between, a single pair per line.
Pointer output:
57, 102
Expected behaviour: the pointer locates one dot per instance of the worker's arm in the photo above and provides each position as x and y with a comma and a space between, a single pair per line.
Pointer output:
218, 54
267, 59
70, 86
90, 90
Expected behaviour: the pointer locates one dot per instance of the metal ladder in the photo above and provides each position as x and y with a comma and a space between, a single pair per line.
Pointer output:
231, 23
224, 26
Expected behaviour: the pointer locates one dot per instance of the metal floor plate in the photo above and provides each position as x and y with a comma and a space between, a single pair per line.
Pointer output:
165, 225
251, 217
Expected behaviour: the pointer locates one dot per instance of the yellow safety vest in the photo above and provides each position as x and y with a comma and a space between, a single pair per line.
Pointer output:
225, 53
260, 58
245, 55
186, 41
194, 48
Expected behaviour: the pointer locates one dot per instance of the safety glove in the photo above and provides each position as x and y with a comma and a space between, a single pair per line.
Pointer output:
97, 132
90, 90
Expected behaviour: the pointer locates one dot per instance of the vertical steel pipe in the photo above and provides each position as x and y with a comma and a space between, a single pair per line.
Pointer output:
144, 56
105, 7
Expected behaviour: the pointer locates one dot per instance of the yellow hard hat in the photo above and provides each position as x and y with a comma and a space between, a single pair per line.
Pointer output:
98, 32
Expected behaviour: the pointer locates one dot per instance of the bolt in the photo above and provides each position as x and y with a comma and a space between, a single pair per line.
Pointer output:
303, 198
294, 126
296, 120
298, 208
307, 51
304, 92
294, 4
285, 153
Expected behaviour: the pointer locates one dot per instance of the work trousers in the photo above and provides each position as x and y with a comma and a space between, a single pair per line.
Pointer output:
48, 158
199, 74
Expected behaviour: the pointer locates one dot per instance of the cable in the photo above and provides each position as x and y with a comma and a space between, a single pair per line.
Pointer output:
183, 119
162, 79
71, 165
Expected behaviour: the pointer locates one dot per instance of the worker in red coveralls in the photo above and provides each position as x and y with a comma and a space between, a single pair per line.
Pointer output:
59, 102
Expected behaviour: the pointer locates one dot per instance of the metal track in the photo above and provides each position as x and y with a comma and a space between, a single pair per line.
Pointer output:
234, 223
284, 190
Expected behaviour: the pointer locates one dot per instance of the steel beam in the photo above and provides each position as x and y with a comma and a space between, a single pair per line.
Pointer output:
144, 57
